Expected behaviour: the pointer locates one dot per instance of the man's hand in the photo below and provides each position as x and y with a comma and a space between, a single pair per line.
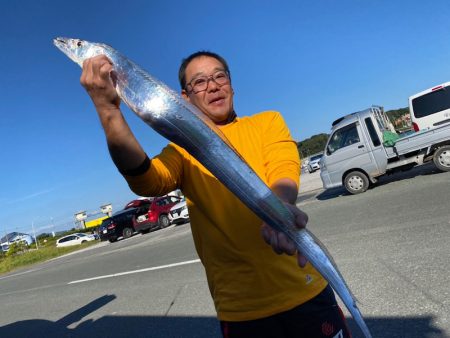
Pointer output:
96, 79
280, 242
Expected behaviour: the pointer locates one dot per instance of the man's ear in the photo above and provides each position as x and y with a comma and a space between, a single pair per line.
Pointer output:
185, 96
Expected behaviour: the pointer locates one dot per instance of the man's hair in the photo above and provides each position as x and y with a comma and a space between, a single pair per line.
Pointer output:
187, 61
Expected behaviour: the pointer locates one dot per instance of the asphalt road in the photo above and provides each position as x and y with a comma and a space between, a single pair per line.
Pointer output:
390, 243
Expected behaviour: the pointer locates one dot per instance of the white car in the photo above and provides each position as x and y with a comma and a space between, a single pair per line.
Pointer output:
74, 239
314, 163
179, 213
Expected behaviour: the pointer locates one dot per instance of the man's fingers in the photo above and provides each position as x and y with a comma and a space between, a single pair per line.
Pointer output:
265, 233
275, 244
301, 219
96, 70
277, 240
286, 244
87, 73
301, 260
105, 69
97, 80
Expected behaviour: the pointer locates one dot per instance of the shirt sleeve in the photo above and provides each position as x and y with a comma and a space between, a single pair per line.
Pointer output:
163, 175
281, 155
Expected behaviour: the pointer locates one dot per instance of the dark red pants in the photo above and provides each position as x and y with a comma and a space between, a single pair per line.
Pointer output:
320, 317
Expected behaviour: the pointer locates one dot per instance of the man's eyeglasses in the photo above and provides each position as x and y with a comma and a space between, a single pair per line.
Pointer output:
200, 83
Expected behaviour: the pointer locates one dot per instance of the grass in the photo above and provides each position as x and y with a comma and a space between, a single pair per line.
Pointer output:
32, 256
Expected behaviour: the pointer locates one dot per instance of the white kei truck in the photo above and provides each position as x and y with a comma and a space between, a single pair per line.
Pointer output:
364, 146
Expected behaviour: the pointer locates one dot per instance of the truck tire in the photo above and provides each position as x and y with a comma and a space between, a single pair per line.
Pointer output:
441, 158
356, 182
127, 232
163, 221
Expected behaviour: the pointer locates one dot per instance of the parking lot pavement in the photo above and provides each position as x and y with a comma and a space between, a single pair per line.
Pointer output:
310, 182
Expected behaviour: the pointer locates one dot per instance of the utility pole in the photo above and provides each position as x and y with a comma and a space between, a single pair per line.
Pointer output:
53, 227
34, 234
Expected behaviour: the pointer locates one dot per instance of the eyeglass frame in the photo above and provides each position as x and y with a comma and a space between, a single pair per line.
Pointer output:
208, 78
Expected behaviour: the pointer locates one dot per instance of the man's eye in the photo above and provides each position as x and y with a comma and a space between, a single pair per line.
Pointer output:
220, 75
199, 82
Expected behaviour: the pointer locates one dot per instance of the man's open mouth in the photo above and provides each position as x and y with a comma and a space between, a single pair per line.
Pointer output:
216, 100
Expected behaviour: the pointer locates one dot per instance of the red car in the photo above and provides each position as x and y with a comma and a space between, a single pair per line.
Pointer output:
152, 213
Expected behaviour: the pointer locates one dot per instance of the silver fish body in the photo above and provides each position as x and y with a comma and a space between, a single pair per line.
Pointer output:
182, 123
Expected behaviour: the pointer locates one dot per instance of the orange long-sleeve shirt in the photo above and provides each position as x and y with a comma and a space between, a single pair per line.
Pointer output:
247, 280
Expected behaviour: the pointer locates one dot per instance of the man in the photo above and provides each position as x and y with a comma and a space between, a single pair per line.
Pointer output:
256, 293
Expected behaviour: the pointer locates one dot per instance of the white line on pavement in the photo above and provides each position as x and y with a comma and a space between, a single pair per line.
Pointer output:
19, 273
135, 271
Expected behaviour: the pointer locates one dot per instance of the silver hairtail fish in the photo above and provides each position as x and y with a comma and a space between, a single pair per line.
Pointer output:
182, 123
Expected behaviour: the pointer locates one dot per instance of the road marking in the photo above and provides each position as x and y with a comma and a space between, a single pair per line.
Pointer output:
20, 273
135, 271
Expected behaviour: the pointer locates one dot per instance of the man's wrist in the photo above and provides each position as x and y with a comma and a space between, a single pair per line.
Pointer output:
286, 190
141, 169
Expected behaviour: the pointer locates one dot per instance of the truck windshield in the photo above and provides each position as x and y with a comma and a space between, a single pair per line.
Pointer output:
431, 103
343, 137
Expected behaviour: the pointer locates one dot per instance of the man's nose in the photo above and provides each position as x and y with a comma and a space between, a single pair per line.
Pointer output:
211, 84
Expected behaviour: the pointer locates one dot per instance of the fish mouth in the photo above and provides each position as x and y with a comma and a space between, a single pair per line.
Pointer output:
59, 41
62, 44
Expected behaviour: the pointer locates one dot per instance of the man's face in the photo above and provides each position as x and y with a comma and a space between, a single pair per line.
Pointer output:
216, 100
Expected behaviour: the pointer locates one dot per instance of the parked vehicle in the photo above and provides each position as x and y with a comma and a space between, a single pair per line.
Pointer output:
363, 146
13, 237
431, 107
314, 163
179, 213
74, 239
152, 213
120, 224
141, 202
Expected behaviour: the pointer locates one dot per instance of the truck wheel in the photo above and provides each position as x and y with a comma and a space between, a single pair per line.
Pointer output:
441, 158
356, 182
127, 232
163, 221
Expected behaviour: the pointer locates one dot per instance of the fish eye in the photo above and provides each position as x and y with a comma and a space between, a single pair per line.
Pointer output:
79, 43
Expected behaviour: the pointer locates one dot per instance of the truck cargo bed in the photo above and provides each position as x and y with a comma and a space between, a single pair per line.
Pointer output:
419, 140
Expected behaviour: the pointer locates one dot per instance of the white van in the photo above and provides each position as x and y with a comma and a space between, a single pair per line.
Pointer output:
431, 108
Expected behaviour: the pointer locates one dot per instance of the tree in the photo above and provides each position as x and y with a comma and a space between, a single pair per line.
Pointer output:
313, 145
17, 247
394, 114
43, 236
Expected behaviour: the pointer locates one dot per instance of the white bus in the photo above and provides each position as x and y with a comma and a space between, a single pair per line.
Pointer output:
430, 108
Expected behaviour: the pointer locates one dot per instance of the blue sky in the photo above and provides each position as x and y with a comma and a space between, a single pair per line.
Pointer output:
313, 61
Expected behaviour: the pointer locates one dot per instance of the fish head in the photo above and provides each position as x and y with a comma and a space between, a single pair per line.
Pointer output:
79, 50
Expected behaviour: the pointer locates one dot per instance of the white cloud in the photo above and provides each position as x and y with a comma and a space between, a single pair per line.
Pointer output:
31, 196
